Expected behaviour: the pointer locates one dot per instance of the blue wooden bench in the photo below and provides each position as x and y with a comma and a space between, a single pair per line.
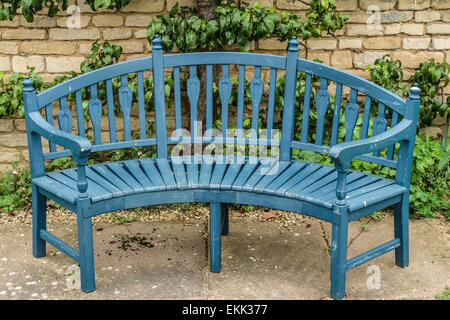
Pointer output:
331, 193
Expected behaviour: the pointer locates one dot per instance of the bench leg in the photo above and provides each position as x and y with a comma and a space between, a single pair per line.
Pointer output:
39, 207
338, 258
86, 250
215, 236
224, 208
401, 231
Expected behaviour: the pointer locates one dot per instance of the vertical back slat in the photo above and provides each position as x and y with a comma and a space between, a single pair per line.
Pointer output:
80, 113
287, 129
391, 149
379, 124
271, 102
256, 91
126, 102
64, 116
336, 115
240, 102
111, 113
193, 91
351, 115
160, 103
322, 102
209, 97
95, 113
177, 100
141, 104
306, 106
49, 116
366, 117
225, 88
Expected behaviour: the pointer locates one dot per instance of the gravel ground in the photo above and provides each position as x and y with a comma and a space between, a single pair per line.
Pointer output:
191, 212
177, 212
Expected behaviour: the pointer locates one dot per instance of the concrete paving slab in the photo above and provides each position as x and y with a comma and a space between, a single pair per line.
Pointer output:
428, 273
158, 260
260, 260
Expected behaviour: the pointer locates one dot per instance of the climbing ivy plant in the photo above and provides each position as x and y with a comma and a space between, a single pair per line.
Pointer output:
241, 25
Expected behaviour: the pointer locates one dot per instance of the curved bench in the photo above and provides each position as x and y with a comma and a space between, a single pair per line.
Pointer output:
332, 193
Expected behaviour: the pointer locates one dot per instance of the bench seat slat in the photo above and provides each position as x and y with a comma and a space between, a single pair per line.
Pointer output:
99, 188
205, 174
297, 191
268, 178
166, 173
107, 174
231, 175
245, 173
309, 182
260, 174
119, 170
285, 176
134, 168
218, 174
307, 170
153, 174
180, 174
96, 193
57, 188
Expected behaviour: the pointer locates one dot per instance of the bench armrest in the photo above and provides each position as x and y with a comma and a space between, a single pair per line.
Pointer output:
343, 153
79, 146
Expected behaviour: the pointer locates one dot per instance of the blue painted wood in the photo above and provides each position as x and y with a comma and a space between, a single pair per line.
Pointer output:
86, 253
111, 113
177, 100
355, 82
159, 97
141, 104
225, 88
49, 117
289, 100
339, 235
271, 102
224, 225
215, 236
256, 91
209, 97
366, 117
330, 193
39, 208
351, 115
80, 113
95, 113
193, 91
372, 254
93, 77
64, 116
225, 58
240, 103
322, 102
306, 107
126, 102
59, 244
336, 115
379, 124
391, 149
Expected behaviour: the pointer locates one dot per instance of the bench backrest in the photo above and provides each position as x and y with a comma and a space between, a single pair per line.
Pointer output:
365, 98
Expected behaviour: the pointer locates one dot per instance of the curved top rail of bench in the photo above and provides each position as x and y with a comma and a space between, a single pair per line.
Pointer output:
238, 58
85, 80
362, 85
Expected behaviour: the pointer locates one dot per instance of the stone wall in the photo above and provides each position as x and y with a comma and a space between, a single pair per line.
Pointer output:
410, 30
